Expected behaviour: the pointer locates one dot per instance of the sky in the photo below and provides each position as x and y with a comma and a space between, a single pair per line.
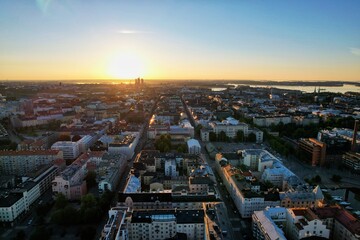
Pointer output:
180, 39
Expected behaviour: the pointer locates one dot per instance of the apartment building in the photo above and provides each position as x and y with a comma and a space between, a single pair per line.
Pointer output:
246, 195
70, 149
343, 225
23, 162
163, 224
257, 159
316, 150
17, 200
266, 121
268, 224
352, 161
304, 223
71, 181
230, 126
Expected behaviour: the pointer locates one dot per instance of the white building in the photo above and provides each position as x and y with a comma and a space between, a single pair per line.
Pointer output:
194, 146
86, 142
23, 162
71, 181
247, 197
70, 149
125, 146
230, 126
257, 159
266, 121
205, 135
15, 202
163, 224
170, 168
116, 228
110, 169
303, 223
258, 134
265, 224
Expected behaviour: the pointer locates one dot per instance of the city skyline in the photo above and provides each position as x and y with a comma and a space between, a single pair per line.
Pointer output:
246, 40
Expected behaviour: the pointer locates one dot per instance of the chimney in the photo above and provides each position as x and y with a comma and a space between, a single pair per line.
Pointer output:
353, 142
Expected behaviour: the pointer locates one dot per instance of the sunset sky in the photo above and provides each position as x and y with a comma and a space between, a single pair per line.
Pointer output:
179, 39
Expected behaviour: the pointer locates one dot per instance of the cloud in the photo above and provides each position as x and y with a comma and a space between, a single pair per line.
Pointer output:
131, 32
355, 51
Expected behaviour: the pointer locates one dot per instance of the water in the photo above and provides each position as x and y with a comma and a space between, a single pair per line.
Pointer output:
307, 89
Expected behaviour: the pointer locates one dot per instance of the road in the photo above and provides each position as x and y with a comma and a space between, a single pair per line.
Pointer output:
229, 219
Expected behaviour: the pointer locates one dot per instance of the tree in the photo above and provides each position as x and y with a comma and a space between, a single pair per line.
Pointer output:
336, 178
240, 136
58, 217
87, 233
88, 201
198, 129
252, 137
212, 137
64, 138
90, 179
40, 233
71, 215
20, 235
222, 136
181, 148
76, 138
317, 179
60, 201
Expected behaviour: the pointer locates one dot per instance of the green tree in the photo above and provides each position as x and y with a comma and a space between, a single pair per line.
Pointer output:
317, 179
20, 235
252, 137
76, 138
212, 137
70, 215
88, 201
87, 233
336, 178
240, 136
222, 136
60, 201
64, 138
40, 233
90, 179
198, 129
58, 217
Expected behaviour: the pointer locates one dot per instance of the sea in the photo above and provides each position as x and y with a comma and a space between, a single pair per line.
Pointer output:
307, 89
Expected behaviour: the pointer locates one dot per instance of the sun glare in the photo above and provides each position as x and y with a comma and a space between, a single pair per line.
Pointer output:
125, 66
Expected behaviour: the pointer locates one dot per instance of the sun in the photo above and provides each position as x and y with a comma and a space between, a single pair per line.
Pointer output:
125, 66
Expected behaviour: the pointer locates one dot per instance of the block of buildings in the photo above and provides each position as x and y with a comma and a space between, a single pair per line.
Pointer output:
165, 224
315, 150
193, 146
71, 182
257, 159
352, 161
23, 162
230, 126
70, 149
343, 224
304, 223
17, 200
266, 224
